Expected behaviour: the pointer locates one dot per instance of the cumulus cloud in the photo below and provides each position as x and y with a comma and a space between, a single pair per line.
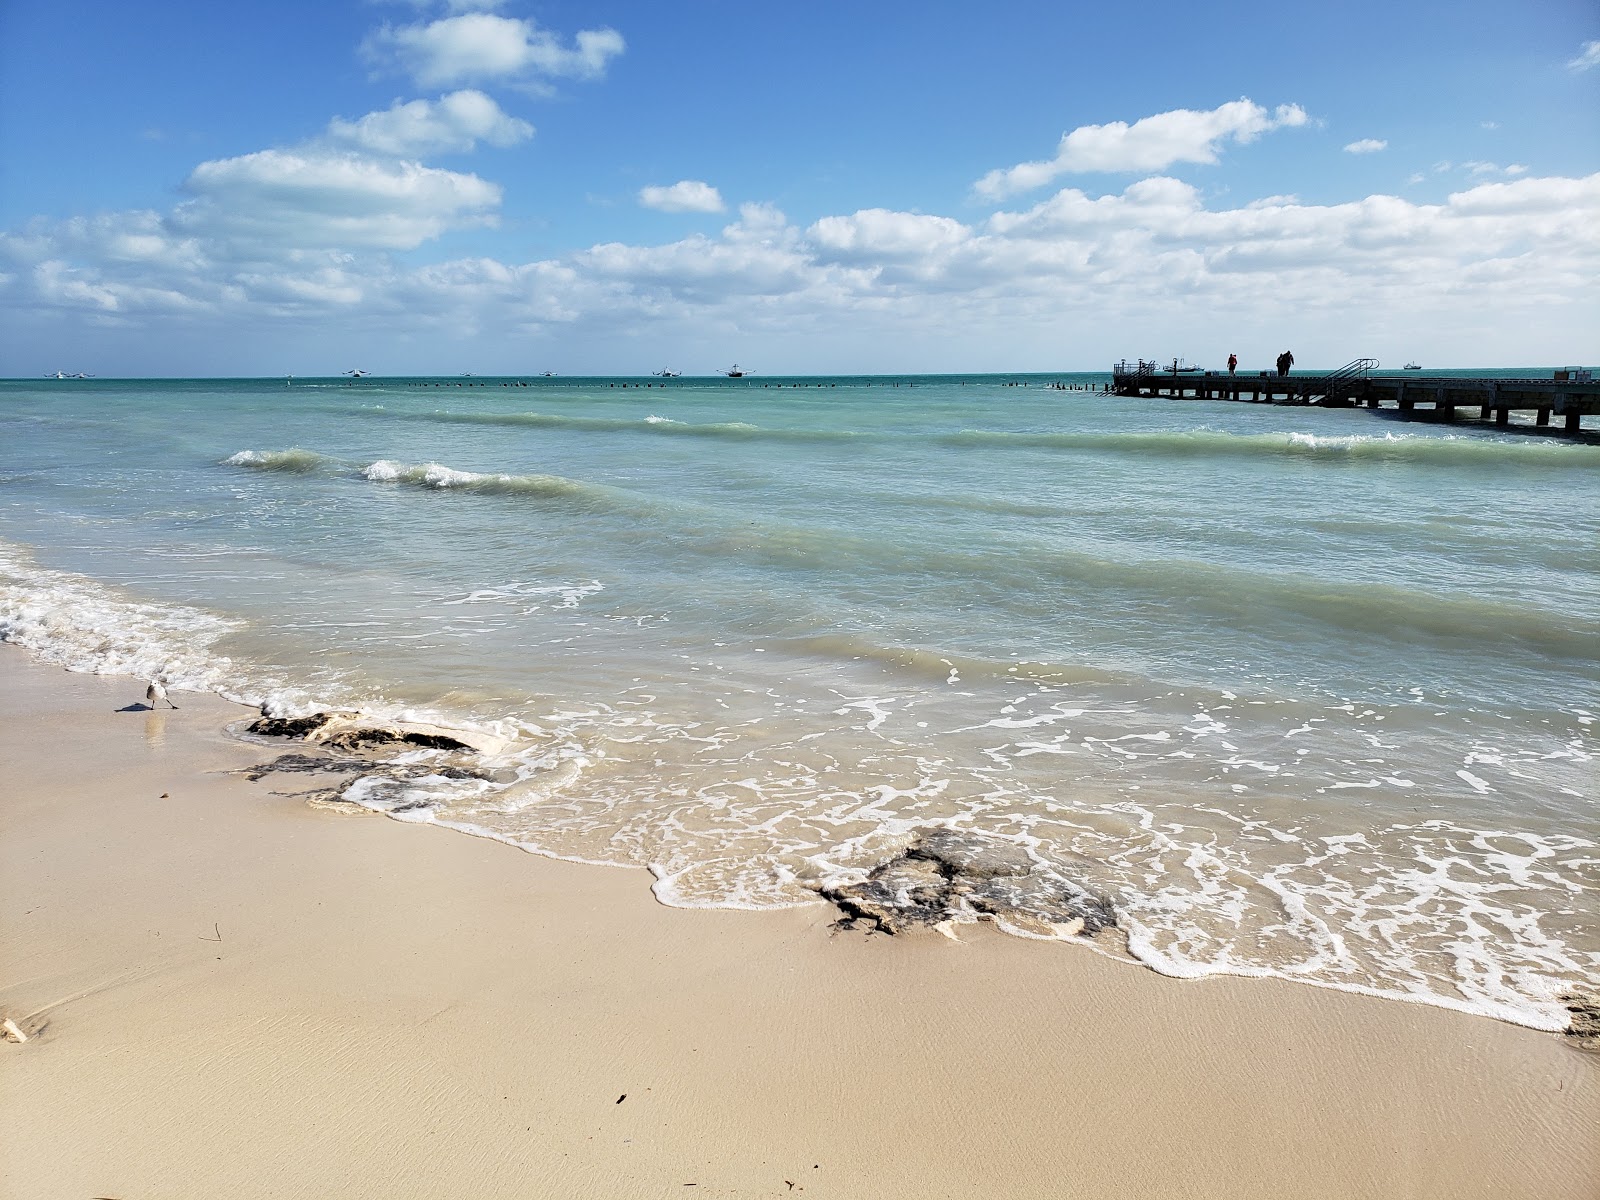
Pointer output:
454, 122
1152, 251
1366, 146
879, 235
1588, 57
687, 195
311, 198
1488, 168
1151, 144
484, 46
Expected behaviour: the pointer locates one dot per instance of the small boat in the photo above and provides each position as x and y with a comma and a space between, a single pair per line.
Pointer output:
356, 374
667, 373
1179, 367
734, 372
547, 374
1411, 367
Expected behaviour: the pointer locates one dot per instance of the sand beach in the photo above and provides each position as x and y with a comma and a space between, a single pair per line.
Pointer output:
227, 992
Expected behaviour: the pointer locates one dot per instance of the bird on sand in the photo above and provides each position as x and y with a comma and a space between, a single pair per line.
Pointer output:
156, 693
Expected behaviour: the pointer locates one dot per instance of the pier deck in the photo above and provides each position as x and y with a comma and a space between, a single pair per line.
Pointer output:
1443, 398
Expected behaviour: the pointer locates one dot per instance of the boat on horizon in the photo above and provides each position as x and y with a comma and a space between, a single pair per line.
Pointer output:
1411, 367
1179, 367
734, 372
667, 373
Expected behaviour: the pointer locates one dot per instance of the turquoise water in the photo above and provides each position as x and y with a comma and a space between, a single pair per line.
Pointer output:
1310, 693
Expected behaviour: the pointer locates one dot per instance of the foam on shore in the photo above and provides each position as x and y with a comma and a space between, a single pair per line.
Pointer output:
1475, 918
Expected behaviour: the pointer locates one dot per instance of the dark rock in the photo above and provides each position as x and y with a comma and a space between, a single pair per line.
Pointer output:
1044, 900
459, 772
303, 764
360, 738
411, 806
291, 727
970, 854
948, 873
364, 739
899, 895
1583, 1031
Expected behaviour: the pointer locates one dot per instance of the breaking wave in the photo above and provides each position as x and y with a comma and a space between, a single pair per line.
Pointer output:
294, 461
440, 478
1453, 450
664, 426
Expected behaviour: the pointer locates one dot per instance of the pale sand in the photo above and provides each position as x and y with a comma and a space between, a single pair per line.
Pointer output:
398, 1011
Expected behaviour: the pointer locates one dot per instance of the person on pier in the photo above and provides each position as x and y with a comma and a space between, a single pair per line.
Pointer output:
1233, 363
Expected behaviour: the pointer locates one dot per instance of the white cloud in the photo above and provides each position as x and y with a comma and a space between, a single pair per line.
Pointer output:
1077, 269
311, 198
483, 46
1588, 56
878, 234
687, 195
454, 122
1151, 144
1366, 146
760, 254
1481, 169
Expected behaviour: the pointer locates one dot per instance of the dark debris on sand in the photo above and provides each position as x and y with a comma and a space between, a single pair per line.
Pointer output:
1583, 1030
289, 727
349, 763
947, 873
361, 738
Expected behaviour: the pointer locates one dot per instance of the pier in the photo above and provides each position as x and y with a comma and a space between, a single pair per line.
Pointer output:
1567, 397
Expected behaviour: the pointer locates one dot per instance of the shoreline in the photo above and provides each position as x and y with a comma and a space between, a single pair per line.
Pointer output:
121, 646
230, 992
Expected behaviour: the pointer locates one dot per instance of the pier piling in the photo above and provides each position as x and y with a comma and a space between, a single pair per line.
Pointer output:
1439, 397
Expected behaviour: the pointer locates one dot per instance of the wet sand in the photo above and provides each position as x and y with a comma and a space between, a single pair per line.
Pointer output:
231, 993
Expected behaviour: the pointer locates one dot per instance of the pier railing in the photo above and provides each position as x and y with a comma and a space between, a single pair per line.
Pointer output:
1329, 385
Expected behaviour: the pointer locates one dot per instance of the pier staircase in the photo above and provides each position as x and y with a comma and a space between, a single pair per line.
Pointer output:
1340, 387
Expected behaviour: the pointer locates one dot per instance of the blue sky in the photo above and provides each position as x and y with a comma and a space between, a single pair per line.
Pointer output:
446, 185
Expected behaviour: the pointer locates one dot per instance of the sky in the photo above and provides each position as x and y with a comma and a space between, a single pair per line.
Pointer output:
616, 186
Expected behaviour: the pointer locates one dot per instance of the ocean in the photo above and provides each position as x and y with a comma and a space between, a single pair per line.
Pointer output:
1309, 694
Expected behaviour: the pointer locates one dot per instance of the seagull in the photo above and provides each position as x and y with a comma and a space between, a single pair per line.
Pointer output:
156, 693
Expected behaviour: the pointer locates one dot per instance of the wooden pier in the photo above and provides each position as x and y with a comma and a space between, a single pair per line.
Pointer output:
1439, 397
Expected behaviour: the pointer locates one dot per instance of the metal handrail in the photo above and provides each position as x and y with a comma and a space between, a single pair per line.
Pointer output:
1356, 368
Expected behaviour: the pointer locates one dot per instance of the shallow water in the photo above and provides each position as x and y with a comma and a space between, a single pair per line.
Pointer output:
1309, 693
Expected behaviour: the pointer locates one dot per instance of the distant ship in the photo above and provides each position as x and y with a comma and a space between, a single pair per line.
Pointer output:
734, 372
1179, 367
1411, 367
64, 375
667, 373
355, 374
